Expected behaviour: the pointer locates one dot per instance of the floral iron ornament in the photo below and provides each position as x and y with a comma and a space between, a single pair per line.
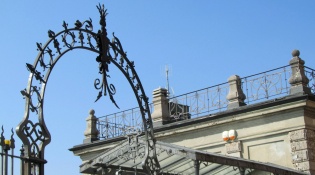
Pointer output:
35, 135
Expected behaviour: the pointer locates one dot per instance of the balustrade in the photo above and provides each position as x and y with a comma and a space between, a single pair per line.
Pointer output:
271, 84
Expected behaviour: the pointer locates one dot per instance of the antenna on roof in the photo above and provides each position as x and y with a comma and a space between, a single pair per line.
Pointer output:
168, 72
167, 80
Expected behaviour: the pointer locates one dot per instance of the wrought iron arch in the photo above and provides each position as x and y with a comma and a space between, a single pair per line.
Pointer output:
35, 136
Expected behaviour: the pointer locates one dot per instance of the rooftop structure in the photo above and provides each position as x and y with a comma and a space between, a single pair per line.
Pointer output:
266, 117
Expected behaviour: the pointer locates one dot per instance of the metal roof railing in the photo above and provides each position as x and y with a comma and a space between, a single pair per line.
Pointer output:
257, 88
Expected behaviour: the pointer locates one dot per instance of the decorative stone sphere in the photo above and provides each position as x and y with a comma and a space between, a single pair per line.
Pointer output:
92, 112
295, 53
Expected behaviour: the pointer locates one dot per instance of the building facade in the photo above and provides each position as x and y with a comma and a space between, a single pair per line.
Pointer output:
267, 121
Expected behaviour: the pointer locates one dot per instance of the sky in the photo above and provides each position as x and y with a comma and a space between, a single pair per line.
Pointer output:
202, 42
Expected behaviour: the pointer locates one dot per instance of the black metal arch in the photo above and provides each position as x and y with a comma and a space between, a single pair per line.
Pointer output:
35, 136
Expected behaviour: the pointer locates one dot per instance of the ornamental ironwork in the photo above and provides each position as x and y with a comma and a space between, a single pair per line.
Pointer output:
176, 160
35, 135
310, 74
259, 87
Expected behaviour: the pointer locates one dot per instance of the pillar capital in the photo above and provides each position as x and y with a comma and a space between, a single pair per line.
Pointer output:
298, 80
91, 132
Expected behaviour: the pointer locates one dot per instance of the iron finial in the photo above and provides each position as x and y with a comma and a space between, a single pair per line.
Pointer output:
78, 24
12, 141
103, 14
2, 137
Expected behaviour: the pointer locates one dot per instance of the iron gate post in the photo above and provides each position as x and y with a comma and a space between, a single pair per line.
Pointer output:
22, 161
197, 166
6, 156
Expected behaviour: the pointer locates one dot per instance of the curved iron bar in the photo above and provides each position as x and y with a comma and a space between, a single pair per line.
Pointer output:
36, 136
150, 163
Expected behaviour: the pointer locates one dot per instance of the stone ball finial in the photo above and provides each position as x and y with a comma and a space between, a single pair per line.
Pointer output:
295, 53
92, 112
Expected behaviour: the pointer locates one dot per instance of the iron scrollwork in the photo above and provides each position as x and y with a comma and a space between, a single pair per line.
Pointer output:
34, 89
310, 74
2, 141
113, 52
81, 36
134, 149
35, 135
104, 59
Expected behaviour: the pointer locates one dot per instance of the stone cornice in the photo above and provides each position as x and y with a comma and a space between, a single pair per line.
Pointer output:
256, 110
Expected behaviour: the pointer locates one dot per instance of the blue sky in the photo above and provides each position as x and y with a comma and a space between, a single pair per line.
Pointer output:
204, 42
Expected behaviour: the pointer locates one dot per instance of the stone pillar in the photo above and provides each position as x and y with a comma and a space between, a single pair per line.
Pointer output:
91, 131
303, 150
160, 103
298, 80
236, 96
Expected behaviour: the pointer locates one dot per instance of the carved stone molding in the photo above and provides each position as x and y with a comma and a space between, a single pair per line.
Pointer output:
233, 147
